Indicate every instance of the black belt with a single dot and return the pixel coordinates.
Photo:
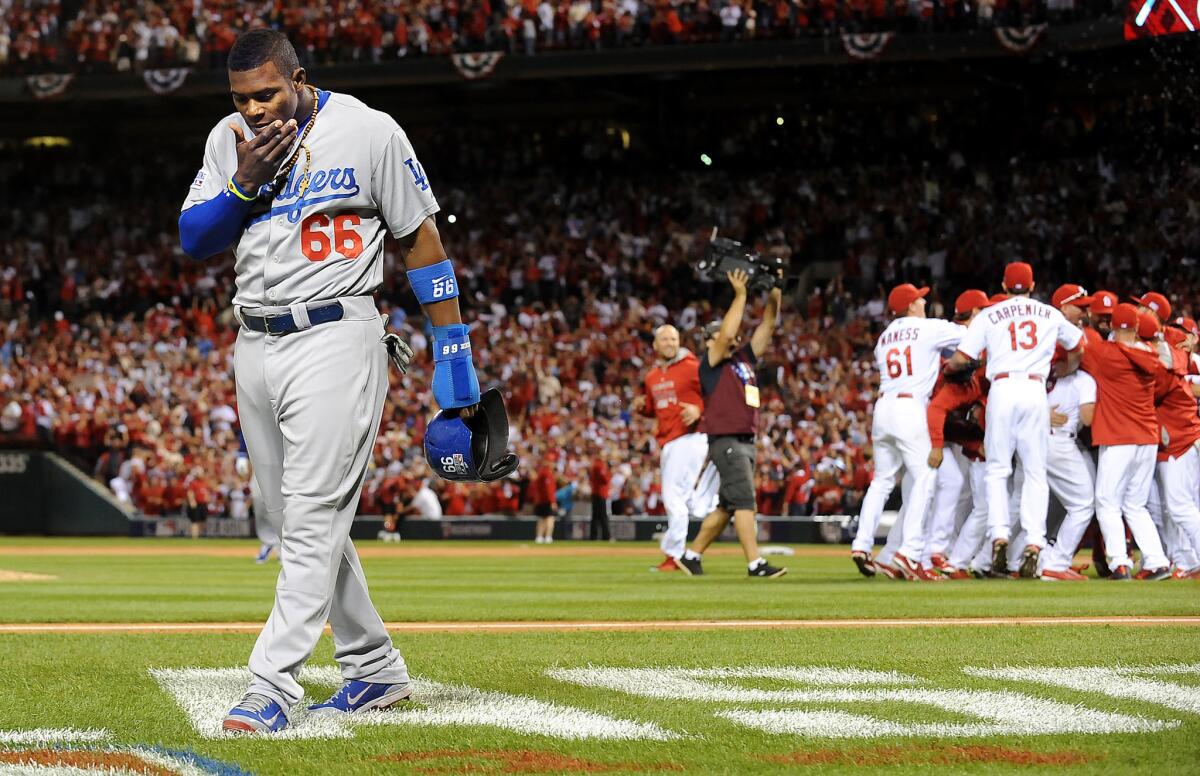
(285, 323)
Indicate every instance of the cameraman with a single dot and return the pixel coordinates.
(731, 403)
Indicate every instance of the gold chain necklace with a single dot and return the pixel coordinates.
(286, 170)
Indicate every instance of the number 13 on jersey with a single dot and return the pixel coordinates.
(1028, 337)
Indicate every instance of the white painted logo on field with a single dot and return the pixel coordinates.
(1126, 682)
(206, 694)
(52, 736)
(992, 713)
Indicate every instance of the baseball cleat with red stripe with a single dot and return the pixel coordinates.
(668, 564)
(1153, 575)
(959, 574)
(889, 571)
(1070, 575)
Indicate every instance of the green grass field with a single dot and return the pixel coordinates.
(1087, 699)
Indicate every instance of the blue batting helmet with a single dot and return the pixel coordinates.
(473, 449)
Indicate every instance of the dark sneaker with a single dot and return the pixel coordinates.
(691, 566)
(1120, 574)
(765, 569)
(1029, 561)
(999, 557)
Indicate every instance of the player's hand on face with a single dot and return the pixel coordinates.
(690, 414)
(1057, 418)
(935, 458)
(738, 279)
(260, 156)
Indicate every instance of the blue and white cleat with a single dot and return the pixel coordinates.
(264, 553)
(364, 696)
(255, 714)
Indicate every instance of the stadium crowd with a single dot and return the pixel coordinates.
(118, 348)
(103, 36)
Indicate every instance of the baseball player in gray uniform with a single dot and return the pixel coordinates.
(304, 185)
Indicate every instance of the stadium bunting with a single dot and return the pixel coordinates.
(474, 66)
(48, 85)
(1020, 39)
(166, 80)
(868, 45)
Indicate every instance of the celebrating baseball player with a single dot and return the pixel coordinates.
(1125, 428)
(672, 397)
(1019, 335)
(1070, 473)
(304, 184)
(908, 355)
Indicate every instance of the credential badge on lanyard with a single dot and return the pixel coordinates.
(746, 375)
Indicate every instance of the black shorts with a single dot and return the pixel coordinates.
(734, 457)
(543, 510)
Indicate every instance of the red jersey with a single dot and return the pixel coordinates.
(1125, 379)
(667, 388)
(1176, 408)
(601, 479)
(950, 397)
(541, 490)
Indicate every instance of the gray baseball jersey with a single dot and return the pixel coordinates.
(327, 242)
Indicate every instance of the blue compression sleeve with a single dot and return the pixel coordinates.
(208, 228)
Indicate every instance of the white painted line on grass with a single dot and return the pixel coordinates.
(1125, 682)
(1004, 713)
(206, 694)
(695, 684)
(608, 625)
(53, 736)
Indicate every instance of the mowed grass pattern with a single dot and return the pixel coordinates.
(103, 680)
(564, 581)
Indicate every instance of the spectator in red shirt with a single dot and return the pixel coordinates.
(601, 480)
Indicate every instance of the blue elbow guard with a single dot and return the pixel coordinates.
(435, 283)
(210, 227)
(455, 383)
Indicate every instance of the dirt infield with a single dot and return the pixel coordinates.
(610, 625)
(375, 550)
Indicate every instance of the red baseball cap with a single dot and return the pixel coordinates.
(1069, 293)
(1125, 316)
(1104, 303)
(1147, 325)
(970, 299)
(997, 299)
(1018, 276)
(903, 295)
(1188, 325)
(1157, 303)
(1173, 336)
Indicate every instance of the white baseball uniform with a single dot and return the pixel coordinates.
(689, 488)
(949, 490)
(908, 356)
(310, 402)
(1019, 335)
(1069, 470)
